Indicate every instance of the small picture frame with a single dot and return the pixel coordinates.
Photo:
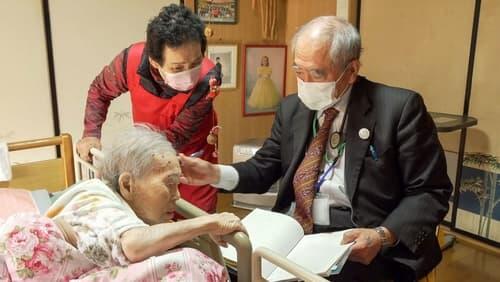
(264, 78)
(217, 11)
(225, 58)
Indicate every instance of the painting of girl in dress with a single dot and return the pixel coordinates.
(264, 94)
(264, 79)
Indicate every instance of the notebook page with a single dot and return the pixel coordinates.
(276, 231)
(317, 253)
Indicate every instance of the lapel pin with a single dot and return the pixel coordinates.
(364, 133)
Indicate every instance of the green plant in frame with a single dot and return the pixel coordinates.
(483, 188)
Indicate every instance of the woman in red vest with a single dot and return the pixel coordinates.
(169, 83)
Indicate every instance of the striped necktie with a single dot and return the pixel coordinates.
(308, 171)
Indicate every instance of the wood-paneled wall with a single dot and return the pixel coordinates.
(235, 127)
(298, 12)
(291, 15)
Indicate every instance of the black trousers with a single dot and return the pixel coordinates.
(380, 269)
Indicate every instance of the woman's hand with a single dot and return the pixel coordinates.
(85, 144)
(222, 224)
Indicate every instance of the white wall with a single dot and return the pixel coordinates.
(25, 107)
(88, 34)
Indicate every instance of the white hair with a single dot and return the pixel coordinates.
(343, 38)
(132, 151)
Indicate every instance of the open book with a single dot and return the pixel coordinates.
(319, 253)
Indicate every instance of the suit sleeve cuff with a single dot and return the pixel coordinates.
(229, 178)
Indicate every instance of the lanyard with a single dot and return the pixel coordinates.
(321, 180)
(330, 168)
(315, 123)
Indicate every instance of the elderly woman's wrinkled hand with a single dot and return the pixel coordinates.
(224, 223)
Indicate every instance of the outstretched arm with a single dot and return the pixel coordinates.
(109, 84)
(143, 242)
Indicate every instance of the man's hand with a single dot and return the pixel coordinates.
(367, 244)
(198, 172)
(85, 144)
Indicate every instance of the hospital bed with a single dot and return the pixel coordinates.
(45, 180)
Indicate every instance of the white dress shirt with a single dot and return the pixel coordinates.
(334, 184)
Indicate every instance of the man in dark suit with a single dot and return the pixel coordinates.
(369, 149)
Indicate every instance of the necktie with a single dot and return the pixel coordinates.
(307, 174)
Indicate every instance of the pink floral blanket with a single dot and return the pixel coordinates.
(33, 249)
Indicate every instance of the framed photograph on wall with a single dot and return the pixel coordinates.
(217, 11)
(225, 57)
(264, 78)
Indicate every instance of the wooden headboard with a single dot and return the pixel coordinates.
(52, 175)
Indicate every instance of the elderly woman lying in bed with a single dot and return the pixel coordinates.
(118, 228)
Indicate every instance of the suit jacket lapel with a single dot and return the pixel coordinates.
(360, 116)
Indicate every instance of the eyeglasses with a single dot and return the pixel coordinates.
(315, 74)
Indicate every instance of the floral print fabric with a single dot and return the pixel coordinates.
(32, 248)
(98, 216)
(183, 264)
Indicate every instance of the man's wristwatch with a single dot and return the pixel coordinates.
(383, 237)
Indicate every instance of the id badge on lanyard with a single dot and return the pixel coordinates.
(321, 203)
(321, 209)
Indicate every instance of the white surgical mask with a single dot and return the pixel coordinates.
(182, 81)
(318, 96)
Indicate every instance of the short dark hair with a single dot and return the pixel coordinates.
(174, 26)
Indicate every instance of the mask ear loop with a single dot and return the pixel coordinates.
(314, 125)
(340, 78)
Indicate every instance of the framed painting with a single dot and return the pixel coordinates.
(264, 78)
(225, 57)
(217, 11)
